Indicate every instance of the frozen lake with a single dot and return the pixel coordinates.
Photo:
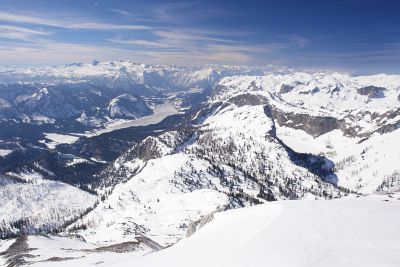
(160, 112)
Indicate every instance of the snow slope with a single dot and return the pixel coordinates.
(344, 232)
(32, 204)
(328, 114)
(359, 166)
(251, 143)
(165, 184)
(347, 232)
(152, 205)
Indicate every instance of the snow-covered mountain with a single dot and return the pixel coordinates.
(124, 74)
(251, 143)
(333, 116)
(237, 137)
(88, 96)
(127, 106)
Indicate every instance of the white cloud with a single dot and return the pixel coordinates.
(20, 33)
(162, 44)
(21, 18)
(120, 11)
(49, 53)
(105, 26)
(142, 43)
(299, 40)
(23, 30)
(67, 23)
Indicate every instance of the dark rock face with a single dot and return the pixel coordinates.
(110, 176)
(315, 90)
(218, 89)
(398, 97)
(319, 125)
(385, 127)
(316, 164)
(148, 149)
(312, 92)
(372, 91)
(335, 90)
(254, 87)
(248, 100)
(313, 125)
(286, 88)
(316, 125)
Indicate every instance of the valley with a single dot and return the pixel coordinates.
(144, 156)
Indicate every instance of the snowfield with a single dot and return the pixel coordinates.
(5, 152)
(151, 204)
(344, 232)
(294, 233)
(44, 204)
(56, 139)
(361, 166)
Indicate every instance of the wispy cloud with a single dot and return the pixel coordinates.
(196, 47)
(119, 11)
(299, 40)
(48, 52)
(142, 43)
(105, 26)
(20, 33)
(156, 39)
(23, 18)
(66, 23)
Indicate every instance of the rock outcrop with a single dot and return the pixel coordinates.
(286, 88)
(372, 91)
(248, 100)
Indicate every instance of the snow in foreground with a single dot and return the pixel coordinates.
(346, 232)
(295, 233)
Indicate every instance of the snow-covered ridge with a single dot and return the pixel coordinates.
(252, 142)
(353, 121)
(125, 72)
(335, 94)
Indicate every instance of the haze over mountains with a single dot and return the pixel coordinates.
(126, 157)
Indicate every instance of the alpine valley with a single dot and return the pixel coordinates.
(124, 164)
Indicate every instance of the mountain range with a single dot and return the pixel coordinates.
(135, 157)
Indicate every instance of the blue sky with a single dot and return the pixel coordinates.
(351, 35)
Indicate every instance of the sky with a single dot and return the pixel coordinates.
(350, 35)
